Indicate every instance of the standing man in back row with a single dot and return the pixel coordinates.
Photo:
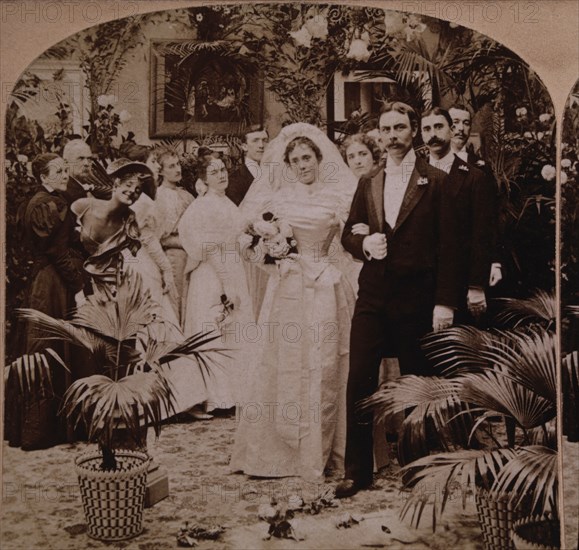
(461, 128)
(474, 198)
(254, 141)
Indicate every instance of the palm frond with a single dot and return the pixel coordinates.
(531, 475)
(541, 306)
(32, 373)
(443, 475)
(500, 395)
(532, 362)
(60, 329)
(461, 348)
(122, 318)
(428, 402)
(105, 405)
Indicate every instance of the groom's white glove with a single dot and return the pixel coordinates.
(442, 317)
(375, 246)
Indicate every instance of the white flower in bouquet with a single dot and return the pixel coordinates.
(540, 135)
(563, 177)
(545, 117)
(278, 247)
(565, 163)
(302, 37)
(264, 229)
(548, 172)
(521, 111)
(22, 158)
(528, 135)
(124, 116)
(317, 26)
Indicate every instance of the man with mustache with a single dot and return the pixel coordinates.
(475, 200)
(254, 142)
(409, 283)
(461, 129)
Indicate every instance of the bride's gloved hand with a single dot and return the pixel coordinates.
(360, 229)
(287, 265)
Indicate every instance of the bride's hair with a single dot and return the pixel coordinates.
(301, 140)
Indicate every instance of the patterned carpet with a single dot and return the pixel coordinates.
(41, 505)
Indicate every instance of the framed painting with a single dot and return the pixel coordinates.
(200, 88)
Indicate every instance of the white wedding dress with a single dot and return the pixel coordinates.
(293, 419)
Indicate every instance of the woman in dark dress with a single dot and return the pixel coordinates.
(32, 423)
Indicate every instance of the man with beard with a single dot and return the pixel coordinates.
(78, 157)
(254, 142)
(461, 129)
(475, 201)
(409, 282)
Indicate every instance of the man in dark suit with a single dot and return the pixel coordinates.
(461, 128)
(474, 197)
(254, 142)
(409, 282)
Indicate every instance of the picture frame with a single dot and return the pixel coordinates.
(198, 90)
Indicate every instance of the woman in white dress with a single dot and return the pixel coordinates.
(215, 275)
(293, 419)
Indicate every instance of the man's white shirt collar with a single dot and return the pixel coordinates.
(48, 188)
(445, 163)
(462, 154)
(405, 167)
(252, 166)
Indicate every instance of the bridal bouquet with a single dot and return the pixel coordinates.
(275, 235)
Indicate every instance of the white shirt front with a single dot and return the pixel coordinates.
(395, 185)
(445, 163)
(253, 167)
(463, 154)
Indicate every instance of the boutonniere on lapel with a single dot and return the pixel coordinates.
(463, 167)
(480, 162)
(422, 181)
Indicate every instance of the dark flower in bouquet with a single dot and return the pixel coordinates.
(276, 237)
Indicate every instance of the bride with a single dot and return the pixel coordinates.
(292, 420)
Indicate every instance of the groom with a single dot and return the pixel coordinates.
(409, 284)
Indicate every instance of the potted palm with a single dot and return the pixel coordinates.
(493, 416)
(134, 392)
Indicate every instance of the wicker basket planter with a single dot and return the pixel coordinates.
(537, 533)
(496, 517)
(113, 501)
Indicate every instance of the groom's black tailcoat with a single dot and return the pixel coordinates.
(397, 295)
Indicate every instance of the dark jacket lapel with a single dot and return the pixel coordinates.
(376, 202)
(413, 192)
(457, 176)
